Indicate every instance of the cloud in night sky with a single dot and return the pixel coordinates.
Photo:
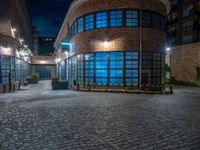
(48, 15)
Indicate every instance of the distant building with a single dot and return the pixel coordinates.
(35, 41)
(183, 28)
(16, 41)
(46, 47)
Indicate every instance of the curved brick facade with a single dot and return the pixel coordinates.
(106, 47)
(87, 6)
(124, 39)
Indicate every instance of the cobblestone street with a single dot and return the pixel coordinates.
(38, 118)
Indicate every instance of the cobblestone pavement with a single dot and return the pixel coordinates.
(38, 118)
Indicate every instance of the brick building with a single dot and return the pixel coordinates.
(46, 47)
(183, 27)
(103, 42)
(15, 40)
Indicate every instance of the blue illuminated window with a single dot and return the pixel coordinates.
(80, 68)
(101, 81)
(132, 73)
(74, 29)
(116, 73)
(132, 65)
(89, 22)
(116, 81)
(116, 18)
(131, 18)
(102, 73)
(116, 68)
(89, 57)
(89, 64)
(132, 81)
(101, 56)
(116, 56)
(101, 20)
(101, 64)
(116, 60)
(116, 64)
(132, 55)
(101, 68)
(80, 25)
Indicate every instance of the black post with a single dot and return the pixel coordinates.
(161, 89)
(78, 86)
(4, 88)
(146, 89)
(10, 82)
(19, 86)
(89, 87)
(171, 89)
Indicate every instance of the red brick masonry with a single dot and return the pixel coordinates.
(185, 59)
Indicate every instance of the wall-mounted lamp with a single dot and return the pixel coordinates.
(57, 60)
(105, 44)
(168, 49)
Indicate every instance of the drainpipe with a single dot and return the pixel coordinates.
(141, 41)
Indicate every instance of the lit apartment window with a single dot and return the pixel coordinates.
(187, 10)
(174, 2)
(187, 39)
(116, 18)
(172, 41)
(172, 28)
(187, 25)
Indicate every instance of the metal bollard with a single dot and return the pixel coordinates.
(4, 88)
(78, 87)
(89, 87)
(126, 89)
(161, 89)
(14, 86)
(146, 89)
(171, 89)
(19, 85)
(106, 88)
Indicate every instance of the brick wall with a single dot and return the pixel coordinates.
(123, 39)
(43, 60)
(5, 17)
(21, 20)
(185, 59)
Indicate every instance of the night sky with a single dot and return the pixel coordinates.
(48, 15)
